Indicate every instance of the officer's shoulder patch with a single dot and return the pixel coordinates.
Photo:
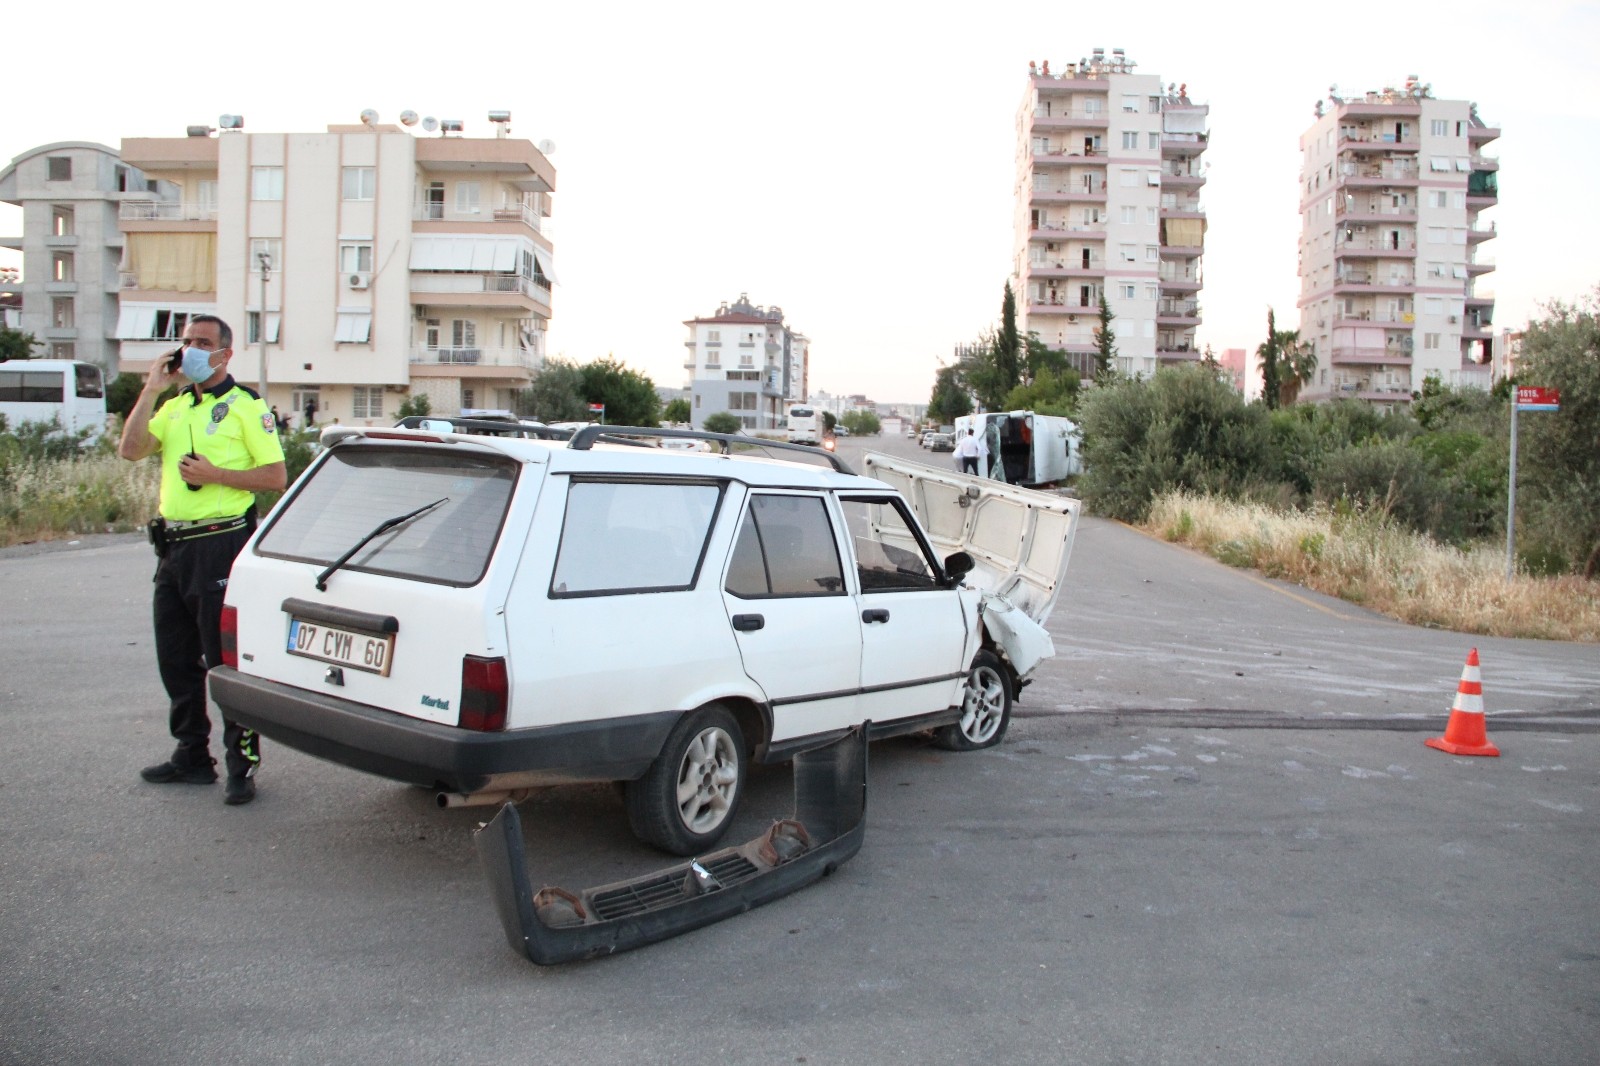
(268, 424)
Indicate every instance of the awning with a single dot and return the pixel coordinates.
(547, 264)
(354, 327)
(1184, 232)
(480, 255)
(136, 323)
(177, 262)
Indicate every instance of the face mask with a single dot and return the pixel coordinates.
(196, 364)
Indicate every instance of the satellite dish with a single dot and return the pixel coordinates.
(430, 123)
(369, 116)
(547, 146)
(408, 118)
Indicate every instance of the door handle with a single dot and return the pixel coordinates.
(748, 623)
(876, 614)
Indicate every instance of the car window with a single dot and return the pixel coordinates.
(889, 555)
(357, 489)
(785, 548)
(633, 536)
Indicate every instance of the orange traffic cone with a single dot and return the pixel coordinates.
(1465, 734)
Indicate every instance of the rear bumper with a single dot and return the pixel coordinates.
(439, 756)
(554, 925)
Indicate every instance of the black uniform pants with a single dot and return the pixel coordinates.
(190, 584)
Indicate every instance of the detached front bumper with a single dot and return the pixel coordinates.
(554, 925)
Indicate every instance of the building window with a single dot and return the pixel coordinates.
(1152, 105)
(367, 401)
(60, 266)
(1130, 103)
(61, 221)
(60, 168)
(1155, 141)
(469, 399)
(63, 350)
(1127, 253)
(1127, 179)
(1130, 139)
(1430, 341)
(1130, 214)
(360, 183)
(61, 316)
(713, 336)
(1439, 127)
(463, 333)
(1126, 291)
(355, 258)
(266, 183)
(467, 197)
(1152, 253)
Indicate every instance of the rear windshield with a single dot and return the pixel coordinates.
(358, 489)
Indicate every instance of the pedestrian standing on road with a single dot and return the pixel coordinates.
(219, 447)
(967, 451)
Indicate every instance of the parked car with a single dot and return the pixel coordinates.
(481, 614)
(942, 442)
(927, 437)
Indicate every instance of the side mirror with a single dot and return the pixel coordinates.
(957, 565)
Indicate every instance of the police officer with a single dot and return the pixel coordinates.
(219, 447)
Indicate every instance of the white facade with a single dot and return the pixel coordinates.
(394, 264)
(1392, 188)
(1108, 203)
(744, 360)
(70, 244)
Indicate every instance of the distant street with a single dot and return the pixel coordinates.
(1213, 834)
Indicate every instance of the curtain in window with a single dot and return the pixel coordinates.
(173, 262)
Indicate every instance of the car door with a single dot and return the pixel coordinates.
(792, 613)
(914, 627)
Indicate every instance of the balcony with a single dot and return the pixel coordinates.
(1060, 195)
(1372, 210)
(1177, 313)
(1478, 133)
(1053, 231)
(1056, 303)
(1478, 234)
(1072, 118)
(1183, 144)
(1358, 281)
(1397, 318)
(1375, 248)
(1179, 353)
(1369, 355)
(1175, 278)
(165, 211)
(519, 358)
(1480, 265)
(481, 290)
(1366, 176)
(1067, 268)
(510, 211)
(1363, 141)
(1069, 157)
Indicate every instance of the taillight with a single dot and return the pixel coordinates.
(484, 694)
(230, 636)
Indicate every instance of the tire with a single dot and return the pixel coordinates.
(985, 707)
(687, 799)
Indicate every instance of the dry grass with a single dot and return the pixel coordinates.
(99, 493)
(1365, 560)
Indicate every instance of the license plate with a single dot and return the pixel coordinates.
(346, 647)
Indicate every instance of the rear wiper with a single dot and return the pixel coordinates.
(384, 527)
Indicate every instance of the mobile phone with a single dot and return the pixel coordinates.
(174, 360)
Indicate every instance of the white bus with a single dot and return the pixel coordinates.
(60, 390)
(805, 425)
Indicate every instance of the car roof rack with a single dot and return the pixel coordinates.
(585, 438)
(497, 427)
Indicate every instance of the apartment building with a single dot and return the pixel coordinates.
(364, 263)
(1393, 187)
(1109, 176)
(745, 360)
(70, 193)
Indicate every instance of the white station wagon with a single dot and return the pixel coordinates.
(482, 615)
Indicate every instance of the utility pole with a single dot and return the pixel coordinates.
(264, 261)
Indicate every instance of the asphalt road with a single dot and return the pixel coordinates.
(1213, 834)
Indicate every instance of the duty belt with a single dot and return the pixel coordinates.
(181, 531)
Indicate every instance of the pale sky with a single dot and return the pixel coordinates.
(852, 163)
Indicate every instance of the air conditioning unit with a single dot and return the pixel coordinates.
(1072, 318)
(1454, 319)
(359, 281)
